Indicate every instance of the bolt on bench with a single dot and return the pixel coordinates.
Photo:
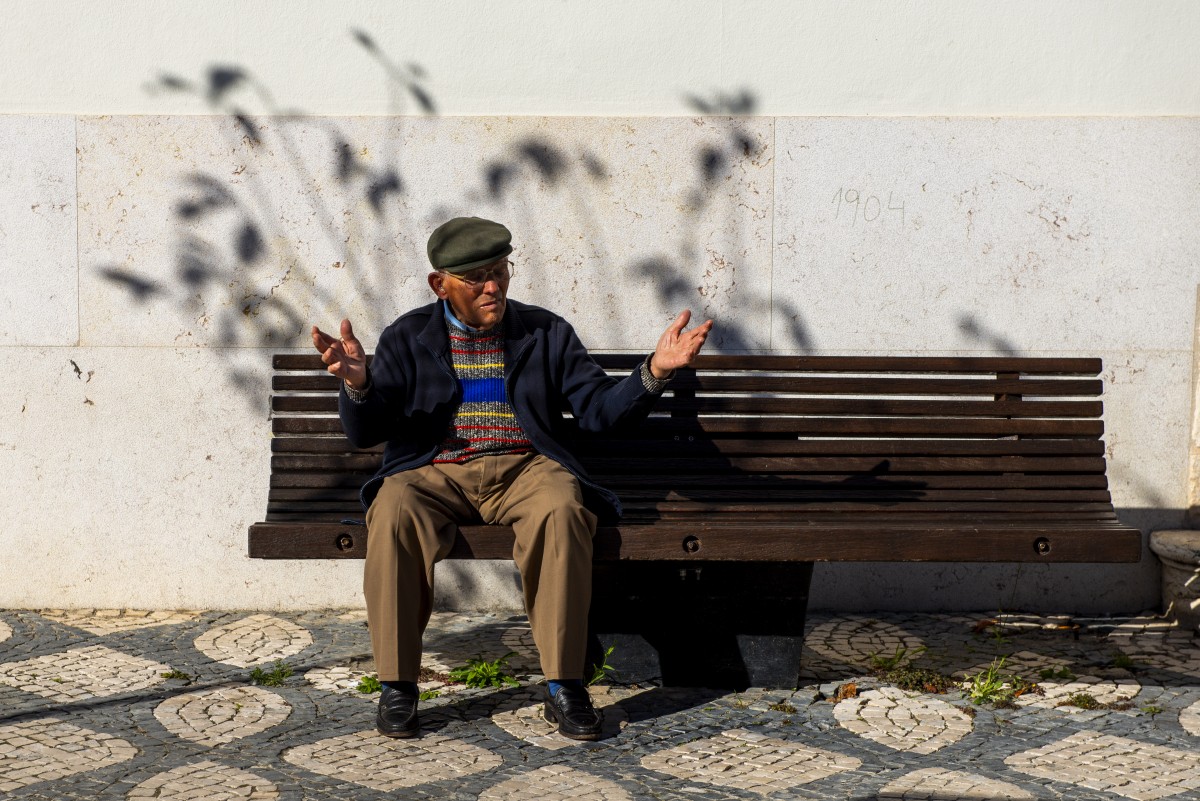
(752, 468)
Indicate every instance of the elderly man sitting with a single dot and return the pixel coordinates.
(467, 392)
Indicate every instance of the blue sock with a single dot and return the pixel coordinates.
(409, 687)
(557, 684)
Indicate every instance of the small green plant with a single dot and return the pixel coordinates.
(918, 680)
(601, 672)
(274, 677)
(177, 675)
(782, 706)
(480, 673)
(1152, 709)
(995, 687)
(369, 684)
(740, 704)
(1081, 700)
(1064, 673)
(428, 695)
(1123, 661)
(902, 656)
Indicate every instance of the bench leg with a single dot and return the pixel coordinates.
(700, 624)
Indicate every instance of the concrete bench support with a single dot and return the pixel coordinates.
(1179, 552)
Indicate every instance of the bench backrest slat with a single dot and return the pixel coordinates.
(893, 437)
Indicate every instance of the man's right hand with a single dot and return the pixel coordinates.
(344, 355)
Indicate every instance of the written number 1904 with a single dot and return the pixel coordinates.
(870, 207)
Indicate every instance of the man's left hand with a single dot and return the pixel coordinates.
(676, 347)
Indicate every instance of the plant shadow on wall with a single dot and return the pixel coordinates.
(243, 274)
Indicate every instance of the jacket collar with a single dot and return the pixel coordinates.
(516, 336)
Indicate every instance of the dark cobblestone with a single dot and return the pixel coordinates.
(779, 727)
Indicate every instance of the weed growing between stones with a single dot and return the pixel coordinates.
(275, 677)
(602, 672)
(1089, 701)
(481, 673)
(994, 687)
(177, 675)
(897, 669)
(369, 684)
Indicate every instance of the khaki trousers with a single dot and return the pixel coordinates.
(412, 523)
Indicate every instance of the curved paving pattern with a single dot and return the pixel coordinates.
(523, 718)
(204, 781)
(222, 715)
(107, 621)
(82, 673)
(1119, 765)
(1189, 719)
(555, 783)
(918, 723)
(385, 765)
(344, 678)
(63, 734)
(942, 784)
(519, 641)
(1105, 691)
(254, 640)
(1177, 652)
(854, 641)
(48, 749)
(749, 761)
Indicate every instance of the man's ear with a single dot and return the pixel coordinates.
(435, 283)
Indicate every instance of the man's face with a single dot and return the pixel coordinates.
(478, 298)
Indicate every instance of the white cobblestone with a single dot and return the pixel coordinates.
(906, 722)
(523, 717)
(1178, 652)
(254, 640)
(81, 673)
(107, 621)
(1087, 759)
(369, 760)
(204, 781)
(1189, 719)
(49, 749)
(519, 640)
(855, 640)
(222, 715)
(749, 761)
(555, 783)
(943, 784)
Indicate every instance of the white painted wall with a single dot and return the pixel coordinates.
(138, 341)
(616, 58)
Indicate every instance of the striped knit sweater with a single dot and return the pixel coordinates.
(484, 424)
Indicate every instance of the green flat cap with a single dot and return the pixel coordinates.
(464, 243)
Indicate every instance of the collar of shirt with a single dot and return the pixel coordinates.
(454, 321)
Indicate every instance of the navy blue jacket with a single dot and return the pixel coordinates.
(414, 394)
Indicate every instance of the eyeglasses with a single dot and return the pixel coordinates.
(477, 278)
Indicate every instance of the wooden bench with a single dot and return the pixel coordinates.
(753, 467)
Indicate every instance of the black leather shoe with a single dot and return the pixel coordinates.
(397, 715)
(572, 710)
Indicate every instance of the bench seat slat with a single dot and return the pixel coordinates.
(785, 541)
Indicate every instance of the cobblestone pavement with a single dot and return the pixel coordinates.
(118, 704)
